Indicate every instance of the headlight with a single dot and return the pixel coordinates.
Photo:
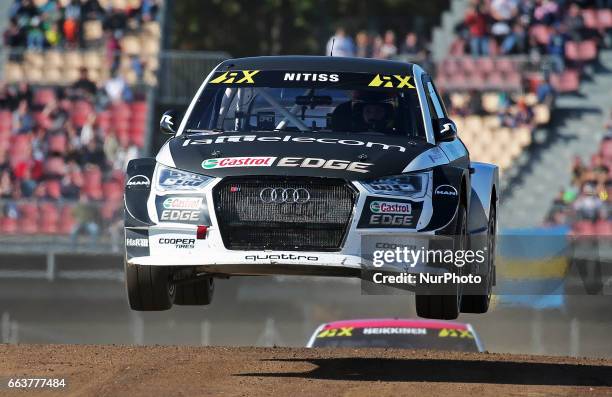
(406, 185)
(173, 179)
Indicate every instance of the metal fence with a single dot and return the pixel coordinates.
(182, 72)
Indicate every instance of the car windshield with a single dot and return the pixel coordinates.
(406, 338)
(326, 102)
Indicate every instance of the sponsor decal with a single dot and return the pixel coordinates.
(310, 162)
(336, 332)
(179, 243)
(394, 331)
(391, 220)
(276, 257)
(139, 181)
(311, 77)
(238, 77)
(182, 203)
(289, 138)
(230, 162)
(390, 213)
(394, 81)
(136, 242)
(390, 207)
(446, 190)
(179, 215)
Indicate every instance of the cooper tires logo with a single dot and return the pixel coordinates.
(280, 195)
(446, 190)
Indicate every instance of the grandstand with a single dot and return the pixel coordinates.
(74, 104)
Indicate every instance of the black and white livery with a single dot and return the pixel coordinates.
(286, 165)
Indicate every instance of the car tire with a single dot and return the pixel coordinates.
(479, 303)
(445, 307)
(195, 293)
(149, 288)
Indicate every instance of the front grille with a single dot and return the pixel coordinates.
(248, 223)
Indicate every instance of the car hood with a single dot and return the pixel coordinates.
(347, 156)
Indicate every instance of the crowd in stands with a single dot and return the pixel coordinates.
(50, 40)
(63, 153)
(71, 112)
(587, 204)
(368, 44)
(557, 36)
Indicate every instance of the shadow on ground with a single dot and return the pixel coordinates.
(462, 371)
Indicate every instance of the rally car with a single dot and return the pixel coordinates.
(397, 333)
(299, 165)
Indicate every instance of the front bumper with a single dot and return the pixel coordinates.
(176, 244)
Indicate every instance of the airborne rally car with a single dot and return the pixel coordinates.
(297, 165)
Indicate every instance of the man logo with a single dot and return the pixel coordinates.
(138, 181)
(446, 190)
(389, 82)
(230, 77)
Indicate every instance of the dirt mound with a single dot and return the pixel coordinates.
(183, 370)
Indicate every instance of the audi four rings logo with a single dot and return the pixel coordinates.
(281, 195)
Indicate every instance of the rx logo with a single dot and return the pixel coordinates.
(330, 333)
(243, 76)
(395, 81)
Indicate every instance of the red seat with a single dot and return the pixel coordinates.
(603, 228)
(572, 51)
(8, 225)
(588, 50)
(58, 143)
(457, 48)
(112, 190)
(541, 33)
(589, 16)
(606, 148)
(604, 18)
(67, 219)
(50, 219)
(583, 228)
(43, 96)
(568, 81)
(468, 65)
(28, 219)
(80, 113)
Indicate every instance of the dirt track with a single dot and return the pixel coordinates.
(190, 371)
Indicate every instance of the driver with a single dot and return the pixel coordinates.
(372, 111)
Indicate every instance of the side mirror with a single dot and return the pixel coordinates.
(169, 122)
(445, 130)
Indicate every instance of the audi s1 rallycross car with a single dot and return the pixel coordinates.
(299, 165)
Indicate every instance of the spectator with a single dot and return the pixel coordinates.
(388, 49)
(87, 220)
(364, 45)
(340, 45)
(589, 206)
(477, 23)
(116, 88)
(23, 122)
(6, 184)
(556, 48)
(410, 47)
(84, 87)
(13, 36)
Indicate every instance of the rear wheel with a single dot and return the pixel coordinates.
(149, 288)
(446, 306)
(195, 293)
(479, 303)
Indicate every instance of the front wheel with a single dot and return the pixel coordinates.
(479, 302)
(446, 306)
(149, 288)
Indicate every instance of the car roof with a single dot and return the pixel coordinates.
(396, 322)
(317, 64)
